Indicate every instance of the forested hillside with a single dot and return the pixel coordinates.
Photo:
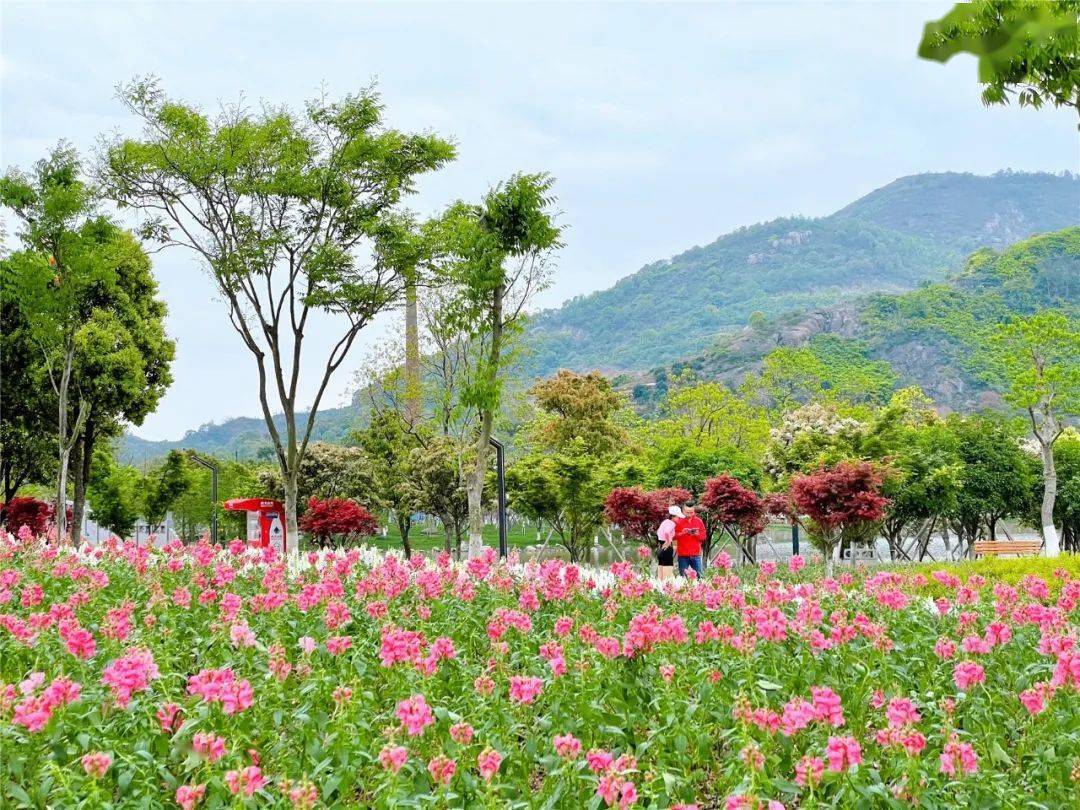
(916, 229)
(928, 336)
(242, 437)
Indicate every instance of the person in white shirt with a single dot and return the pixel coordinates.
(665, 552)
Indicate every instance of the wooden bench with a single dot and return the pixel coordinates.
(995, 548)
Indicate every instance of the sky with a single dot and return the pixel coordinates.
(665, 125)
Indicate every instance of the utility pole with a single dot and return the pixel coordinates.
(500, 469)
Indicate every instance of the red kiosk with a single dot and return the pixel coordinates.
(265, 520)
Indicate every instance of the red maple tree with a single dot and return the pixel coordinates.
(639, 512)
(840, 503)
(738, 510)
(31, 512)
(337, 517)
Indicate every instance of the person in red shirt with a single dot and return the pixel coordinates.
(689, 535)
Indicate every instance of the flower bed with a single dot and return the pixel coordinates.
(202, 677)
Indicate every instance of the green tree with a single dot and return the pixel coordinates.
(114, 493)
(164, 485)
(1037, 361)
(388, 441)
(328, 471)
(827, 368)
(574, 444)
(495, 256)
(29, 415)
(564, 488)
(53, 278)
(709, 415)
(434, 482)
(123, 355)
(1067, 504)
(996, 476)
(292, 214)
(923, 486)
(1029, 49)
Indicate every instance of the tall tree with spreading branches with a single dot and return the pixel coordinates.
(1037, 359)
(55, 282)
(496, 255)
(293, 214)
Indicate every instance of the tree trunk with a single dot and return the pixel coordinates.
(404, 523)
(475, 485)
(292, 530)
(83, 460)
(66, 439)
(476, 493)
(1046, 511)
(448, 535)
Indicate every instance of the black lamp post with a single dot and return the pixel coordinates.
(212, 467)
(500, 471)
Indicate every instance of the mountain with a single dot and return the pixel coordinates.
(927, 336)
(243, 437)
(785, 280)
(915, 229)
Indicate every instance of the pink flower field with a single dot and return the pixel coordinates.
(209, 677)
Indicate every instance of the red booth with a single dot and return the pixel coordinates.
(265, 520)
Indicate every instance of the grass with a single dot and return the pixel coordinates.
(422, 540)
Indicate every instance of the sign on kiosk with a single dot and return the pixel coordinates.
(265, 521)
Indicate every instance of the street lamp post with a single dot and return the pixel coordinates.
(500, 470)
(212, 467)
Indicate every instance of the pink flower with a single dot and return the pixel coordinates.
(335, 645)
(307, 645)
(78, 641)
(525, 688)
(188, 796)
(415, 715)
(567, 746)
(209, 746)
(599, 761)
(488, 761)
(302, 795)
(614, 789)
(796, 564)
(341, 695)
(96, 763)
(827, 706)
(442, 770)
(222, 685)
(461, 733)
(563, 626)
(958, 754)
(967, 674)
(901, 712)
(798, 714)
(484, 685)
(33, 714)
(169, 717)
(392, 757)
(247, 780)
(809, 770)
(129, 674)
(1034, 700)
(843, 753)
(945, 648)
